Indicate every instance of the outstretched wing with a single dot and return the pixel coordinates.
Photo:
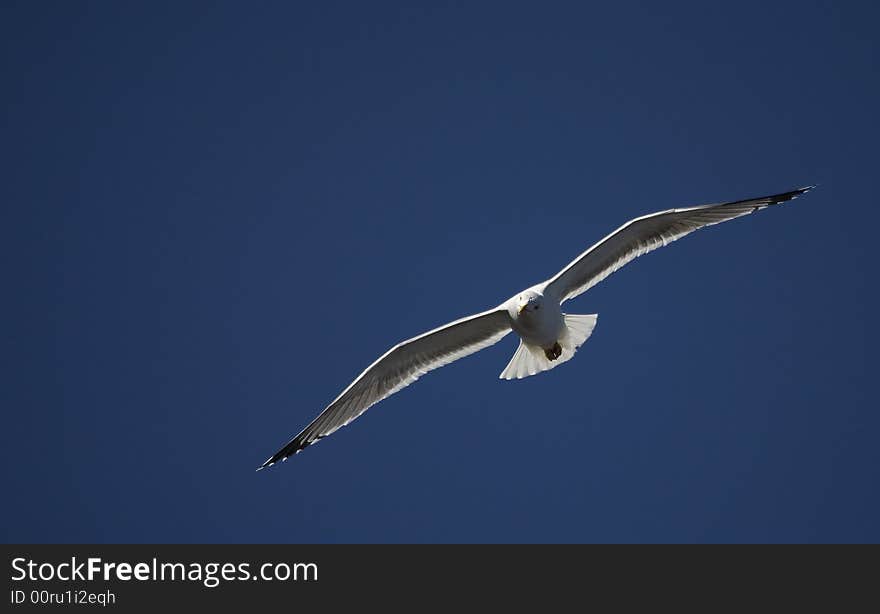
(645, 234)
(399, 367)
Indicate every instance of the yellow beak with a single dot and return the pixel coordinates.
(521, 309)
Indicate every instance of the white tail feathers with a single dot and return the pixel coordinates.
(531, 359)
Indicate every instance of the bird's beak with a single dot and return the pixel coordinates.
(521, 309)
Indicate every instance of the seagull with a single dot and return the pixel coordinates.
(548, 337)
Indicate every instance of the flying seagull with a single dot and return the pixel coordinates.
(548, 337)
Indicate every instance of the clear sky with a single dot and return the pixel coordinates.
(214, 212)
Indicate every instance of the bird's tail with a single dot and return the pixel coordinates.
(531, 359)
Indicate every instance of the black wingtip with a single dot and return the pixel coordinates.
(776, 199)
(294, 447)
(276, 458)
(269, 462)
(781, 198)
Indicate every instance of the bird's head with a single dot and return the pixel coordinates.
(528, 303)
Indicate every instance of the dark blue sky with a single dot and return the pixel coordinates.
(204, 203)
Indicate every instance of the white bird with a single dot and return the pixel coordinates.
(548, 337)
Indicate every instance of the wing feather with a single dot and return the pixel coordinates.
(399, 367)
(645, 234)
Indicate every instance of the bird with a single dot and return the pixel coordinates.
(548, 337)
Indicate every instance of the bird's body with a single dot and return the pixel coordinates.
(548, 337)
(537, 321)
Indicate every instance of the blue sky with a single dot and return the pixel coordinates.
(213, 210)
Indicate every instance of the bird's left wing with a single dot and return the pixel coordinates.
(645, 234)
(399, 367)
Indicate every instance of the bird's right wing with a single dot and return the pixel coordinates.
(399, 367)
(645, 234)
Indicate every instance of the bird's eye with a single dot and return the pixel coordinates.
(537, 307)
